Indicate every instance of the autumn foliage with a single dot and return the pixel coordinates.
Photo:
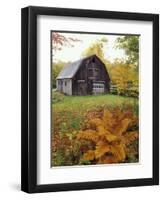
(59, 40)
(108, 136)
(112, 135)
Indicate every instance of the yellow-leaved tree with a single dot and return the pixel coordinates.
(125, 78)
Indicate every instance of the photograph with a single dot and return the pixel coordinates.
(94, 98)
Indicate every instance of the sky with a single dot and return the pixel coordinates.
(74, 53)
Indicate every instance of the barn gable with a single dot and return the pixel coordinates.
(70, 69)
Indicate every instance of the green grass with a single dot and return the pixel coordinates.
(68, 111)
(84, 103)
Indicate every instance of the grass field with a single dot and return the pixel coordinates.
(70, 114)
(64, 103)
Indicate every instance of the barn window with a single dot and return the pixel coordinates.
(65, 83)
(98, 88)
(81, 81)
(93, 72)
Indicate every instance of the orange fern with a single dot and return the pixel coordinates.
(111, 136)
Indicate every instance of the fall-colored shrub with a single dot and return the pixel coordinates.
(112, 136)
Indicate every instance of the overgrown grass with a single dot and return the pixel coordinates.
(85, 103)
(68, 111)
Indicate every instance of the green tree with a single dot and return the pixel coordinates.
(131, 46)
(56, 68)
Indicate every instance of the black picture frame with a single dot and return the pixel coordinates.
(29, 99)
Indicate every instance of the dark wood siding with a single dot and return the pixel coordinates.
(92, 70)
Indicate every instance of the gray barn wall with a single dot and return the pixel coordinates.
(66, 86)
(67, 89)
(58, 86)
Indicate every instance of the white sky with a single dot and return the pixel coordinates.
(75, 53)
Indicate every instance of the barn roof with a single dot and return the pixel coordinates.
(70, 69)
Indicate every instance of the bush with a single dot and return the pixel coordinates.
(113, 137)
(57, 96)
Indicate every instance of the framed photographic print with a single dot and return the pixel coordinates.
(90, 99)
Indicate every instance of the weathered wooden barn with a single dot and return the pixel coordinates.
(84, 77)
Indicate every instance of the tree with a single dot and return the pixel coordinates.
(59, 40)
(56, 68)
(97, 48)
(125, 77)
(131, 46)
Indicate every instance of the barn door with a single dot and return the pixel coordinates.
(82, 89)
